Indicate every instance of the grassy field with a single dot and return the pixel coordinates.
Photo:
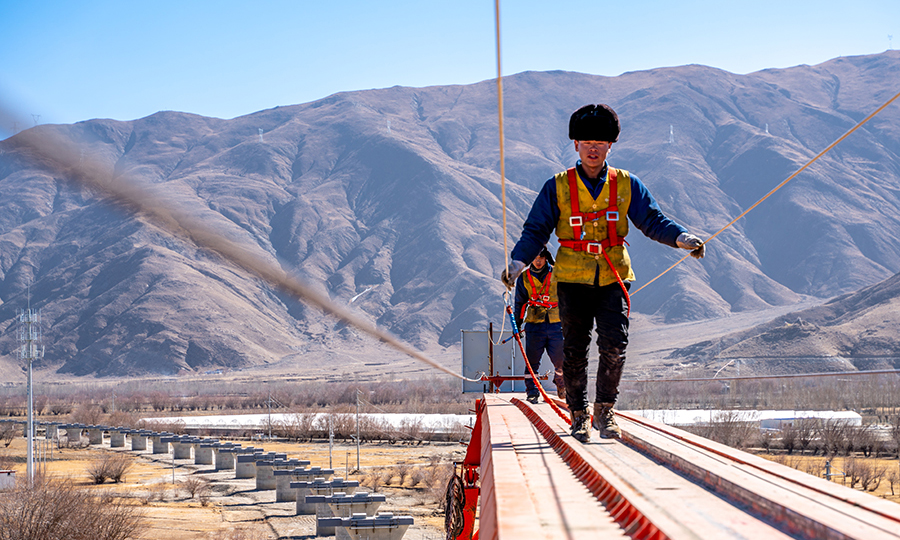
(234, 509)
(841, 470)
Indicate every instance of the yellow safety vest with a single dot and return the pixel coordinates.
(588, 227)
(542, 299)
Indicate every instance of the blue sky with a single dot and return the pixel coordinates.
(70, 61)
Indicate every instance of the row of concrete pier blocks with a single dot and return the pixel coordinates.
(340, 509)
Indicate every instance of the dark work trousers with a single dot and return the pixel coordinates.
(540, 337)
(580, 307)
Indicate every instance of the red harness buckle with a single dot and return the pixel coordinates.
(594, 248)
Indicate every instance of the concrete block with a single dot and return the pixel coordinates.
(203, 452)
(245, 467)
(383, 526)
(320, 486)
(116, 438)
(73, 434)
(265, 474)
(223, 455)
(138, 440)
(344, 506)
(95, 435)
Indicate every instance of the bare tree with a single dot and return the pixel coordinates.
(806, 432)
(832, 434)
(86, 413)
(112, 466)
(893, 477)
(8, 432)
(895, 433)
(866, 440)
(195, 485)
(789, 437)
(373, 480)
(51, 508)
(854, 470)
(60, 408)
(402, 471)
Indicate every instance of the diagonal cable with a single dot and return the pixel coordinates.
(779, 186)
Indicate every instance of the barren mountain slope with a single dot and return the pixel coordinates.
(395, 193)
(858, 330)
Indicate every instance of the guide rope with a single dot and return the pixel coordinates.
(500, 126)
(779, 186)
(534, 379)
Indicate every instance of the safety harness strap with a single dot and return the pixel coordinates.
(539, 298)
(611, 214)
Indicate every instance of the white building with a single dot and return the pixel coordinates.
(7, 480)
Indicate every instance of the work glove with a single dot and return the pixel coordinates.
(693, 243)
(515, 268)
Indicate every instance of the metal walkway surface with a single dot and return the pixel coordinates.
(657, 482)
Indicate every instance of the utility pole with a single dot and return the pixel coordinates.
(357, 429)
(30, 350)
(269, 405)
(330, 439)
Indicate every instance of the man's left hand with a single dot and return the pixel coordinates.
(511, 272)
(693, 243)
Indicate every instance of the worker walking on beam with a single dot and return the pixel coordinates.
(587, 206)
(536, 305)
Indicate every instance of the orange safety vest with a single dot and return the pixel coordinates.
(581, 244)
(541, 300)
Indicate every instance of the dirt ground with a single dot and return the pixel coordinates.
(235, 509)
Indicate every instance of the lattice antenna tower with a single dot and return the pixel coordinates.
(37, 119)
(31, 349)
(890, 42)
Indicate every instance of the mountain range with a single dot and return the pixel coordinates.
(390, 201)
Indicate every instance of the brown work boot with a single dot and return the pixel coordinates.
(605, 421)
(561, 392)
(581, 426)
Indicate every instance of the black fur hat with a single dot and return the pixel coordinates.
(545, 253)
(594, 123)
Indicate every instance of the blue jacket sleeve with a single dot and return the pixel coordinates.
(646, 215)
(521, 299)
(539, 225)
